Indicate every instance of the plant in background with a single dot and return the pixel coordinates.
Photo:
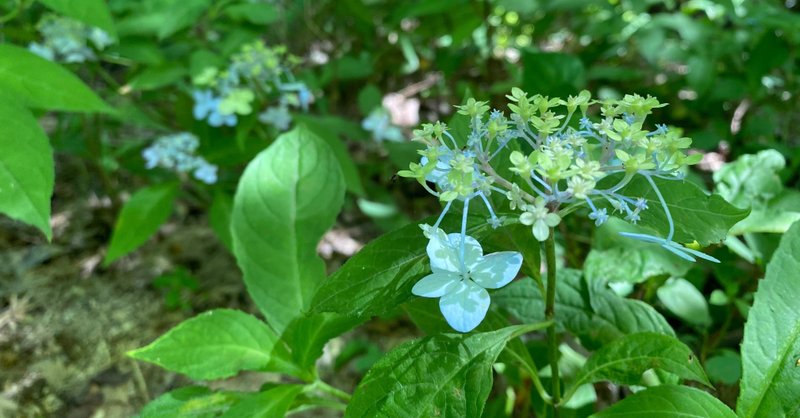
(379, 124)
(177, 153)
(68, 40)
(256, 75)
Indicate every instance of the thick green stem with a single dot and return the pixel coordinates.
(549, 313)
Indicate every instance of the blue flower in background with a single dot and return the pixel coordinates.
(304, 96)
(379, 124)
(461, 275)
(277, 116)
(206, 106)
(177, 153)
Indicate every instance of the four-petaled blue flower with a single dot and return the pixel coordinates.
(461, 275)
(206, 106)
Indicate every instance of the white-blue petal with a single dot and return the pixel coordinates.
(443, 256)
(496, 270)
(436, 285)
(472, 248)
(465, 307)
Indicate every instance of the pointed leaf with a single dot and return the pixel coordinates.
(668, 401)
(771, 347)
(212, 345)
(288, 196)
(26, 168)
(140, 218)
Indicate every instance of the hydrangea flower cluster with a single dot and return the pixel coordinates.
(557, 165)
(68, 40)
(177, 153)
(379, 124)
(256, 71)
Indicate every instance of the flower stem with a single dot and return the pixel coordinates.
(549, 314)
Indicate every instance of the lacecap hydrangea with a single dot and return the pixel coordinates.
(256, 75)
(559, 160)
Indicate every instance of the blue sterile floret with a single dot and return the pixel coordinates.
(177, 153)
(461, 273)
(206, 107)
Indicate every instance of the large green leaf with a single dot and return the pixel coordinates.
(379, 278)
(696, 215)
(595, 313)
(26, 168)
(212, 345)
(36, 82)
(624, 360)
(189, 402)
(287, 198)
(668, 401)
(92, 12)
(140, 218)
(351, 177)
(304, 340)
(268, 404)
(771, 347)
(446, 375)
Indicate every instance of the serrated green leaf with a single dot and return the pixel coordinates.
(268, 404)
(26, 168)
(668, 401)
(771, 347)
(446, 375)
(189, 402)
(140, 218)
(598, 314)
(697, 215)
(625, 360)
(91, 12)
(36, 82)
(287, 198)
(213, 345)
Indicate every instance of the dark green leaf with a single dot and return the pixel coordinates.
(379, 277)
(596, 313)
(288, 197)
(189, 402)
(272, 403)
(626, 359)
(26, 168)
(771, 346)
(443, 376)
(219, 217)
(212, 345)
(140, 218)
(697, 216)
